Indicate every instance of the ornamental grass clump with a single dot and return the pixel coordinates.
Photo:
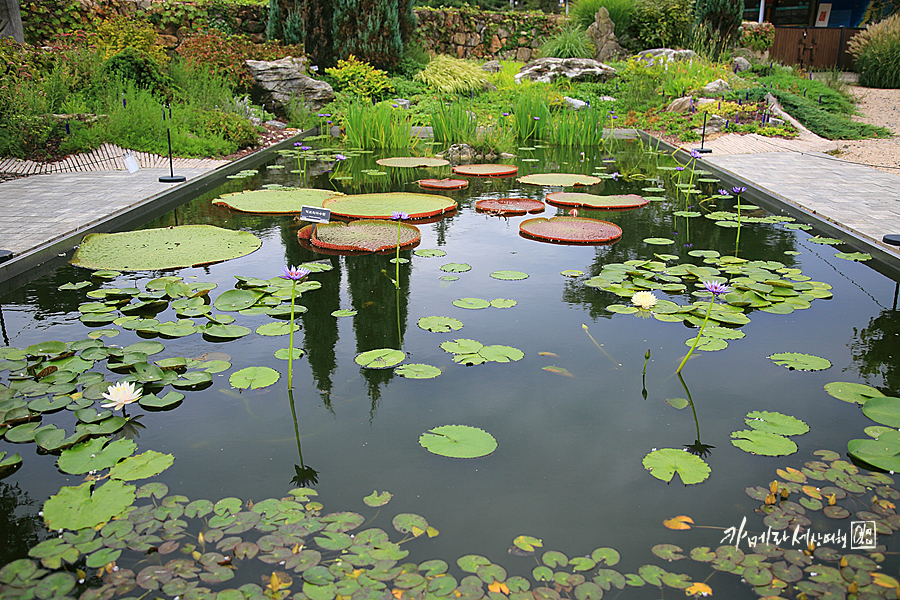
(452, 76)
(569, 42)
(877, 52)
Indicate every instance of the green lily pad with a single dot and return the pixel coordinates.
(883, 453)
(571, 273)
(439, 324)
(884, 410)
(764, 443)
(773, 422)
(277, 328)
(501, 354)
(593, 201)
(458, 441)
(456, 267)
(76, 507)
(94, 455)
(825, 240)
(412, 162)
(225, 332)
(559, 179)
(166, 248)
(417, 371)
(852, 392)
(142, 466)
(153, 401)
(509, 275)
(471, 303)
(344, 312)
(383, 358)
(49, 348)
(666, 462)
(855, 256)
(800, 362)
(658, 241)
(429, 252)
(503, 303)
(462, 346)
(253, 378)
(275, 202)
(375, 499)
(486, 170)
(235, 300)
(382, 206)
(282, 353)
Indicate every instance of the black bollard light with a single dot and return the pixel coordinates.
(701, 149)
(171, 177)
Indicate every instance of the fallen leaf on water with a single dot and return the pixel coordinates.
(553, 354)
(679, 522)
(558, 371)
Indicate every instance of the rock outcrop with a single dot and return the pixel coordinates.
(546, 70)
(286, 78)
(602, 34)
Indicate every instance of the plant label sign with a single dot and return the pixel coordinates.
(315, 214)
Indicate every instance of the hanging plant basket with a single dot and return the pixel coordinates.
(510, 206)
(570, 230)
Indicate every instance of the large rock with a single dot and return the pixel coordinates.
(546, 70)
(716, 88)
(665, 54)
(602, 34)
(681, 105)
(286, 78)
(740, 64)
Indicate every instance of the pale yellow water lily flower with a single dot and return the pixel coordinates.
(121, 394)
(644, 300)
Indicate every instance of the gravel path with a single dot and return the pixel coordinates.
(878, 107)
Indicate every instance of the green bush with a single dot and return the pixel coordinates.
(569, 42)
(661, 23)
(719, 19)
(224, 55)
(877, 52)
(228, 125)
(25, 136)
(114, 35)
(360, 78)
(138, 67)
(452, 76)
(584, 11)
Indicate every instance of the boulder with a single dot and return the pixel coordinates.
(602, 34)
(714, 124)
(492, 66)
(665, 54)
(401, 103)
(680, 105)
(574, 103)
(716, 88)
(740, 64)
(546, 70)
(460, 153)
(286, 78)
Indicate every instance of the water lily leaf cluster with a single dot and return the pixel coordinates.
(469, 352)
(382, 206)
(768, 433)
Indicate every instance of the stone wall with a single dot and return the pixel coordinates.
(471, 33)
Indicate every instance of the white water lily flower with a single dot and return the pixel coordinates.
(644, 300)
(121, 394)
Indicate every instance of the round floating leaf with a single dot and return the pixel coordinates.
(344, 312)
(592, 201)
(658, 241)
(443, 184)
(142, 466)
(439, 324)
(93, 456)
(275, 202)
(375, 499)
(383, 358)
(884, 410)
(382, 206)
(417, 371)
(559, 179)
(501, 354)
(429, 252)
(527, 543)
(509, 275)
(76, 508)
(665, 463)
(49, 348)
(883, 453)
(462, 346)
(458, 441)
(282, 353)
(800, 362)
(486, 170)
(503, 303)
(852, 392)
(226, 332)
(235, 300)
(412, 161)
(773, 422)
(456, 267)
(253, 378)
(856, 256)
(761, 442)
(368, 235)
(168, 401)
(510, 206)
(471, 303)
(277, 328)
(570, 230)
(166, 248)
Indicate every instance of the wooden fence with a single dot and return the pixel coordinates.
(813, 47)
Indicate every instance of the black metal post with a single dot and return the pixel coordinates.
(701, 149)
(171, 177)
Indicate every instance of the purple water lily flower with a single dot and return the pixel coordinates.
(616, 176)
(297, 144)
(723, 192)
(399, 215)
(305, 147)
(537, 118)
(293, 273)
(679, 168)
(505, 114)
(695, 154)
(716, 287)
(738, 190)
(340, 157)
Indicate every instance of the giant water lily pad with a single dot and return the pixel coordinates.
(412, 161)
(458, 441)
(593, 201)
(559, 179)
(76, 507)
(167, 248)
(443, 184)
(570, 230)
(367, 235)
(666, 462)
(383, 206)
(275, 202)
(800, 362)
(509, 206)
(486, 170)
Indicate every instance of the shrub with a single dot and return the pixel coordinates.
(877, 52)
(757, 36)
(25, 136)
(584, 12)
(374, 30)
(224, 55)
(661, 23)
(569, 42)
(273, 24)
(44, 20)
(360, 78)
(452, 76)
(138, 67)
(232, 127)
(114, 35)
(721, 19)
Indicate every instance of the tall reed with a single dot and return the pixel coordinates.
(578, 127)
(531, 115)
(380, 125)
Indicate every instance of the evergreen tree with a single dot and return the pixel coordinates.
(372, 30)
(273, 26)
(719, 17)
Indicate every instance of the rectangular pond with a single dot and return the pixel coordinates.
(576, 384)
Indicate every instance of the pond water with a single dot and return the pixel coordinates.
(571, 439)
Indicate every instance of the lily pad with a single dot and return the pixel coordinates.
(570, 230)
(855, 256)
(458, 441)
(884, 410)
(76, 507)
(226, 332)
(559, 179)
(800, 362)
(429, 252)
(443, 184)
(456, 267)
(165, 248)
(509, 206)
(417, 371)
(593, 201)
(486, 170)
(471, 303)
(852, 392)
(277, 328)
(658, 241)
(503, 303)
(439, 324)
(383, 358)
(275, 202)
(764, 443)
(94, 455)
(666, 462)
(412, 162)
(509, 275)
(253, 378)
(883, 453)
(773, 422)
(368, 235)
(383, 206)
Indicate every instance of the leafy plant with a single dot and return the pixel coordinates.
(877, 52)
(661, 23)
(377, 126)
(569, 42)
(719, 19)
(112, 36)
(139, 68)
(584, 11)
(360, 78)
(757, 36)
(452, 76)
